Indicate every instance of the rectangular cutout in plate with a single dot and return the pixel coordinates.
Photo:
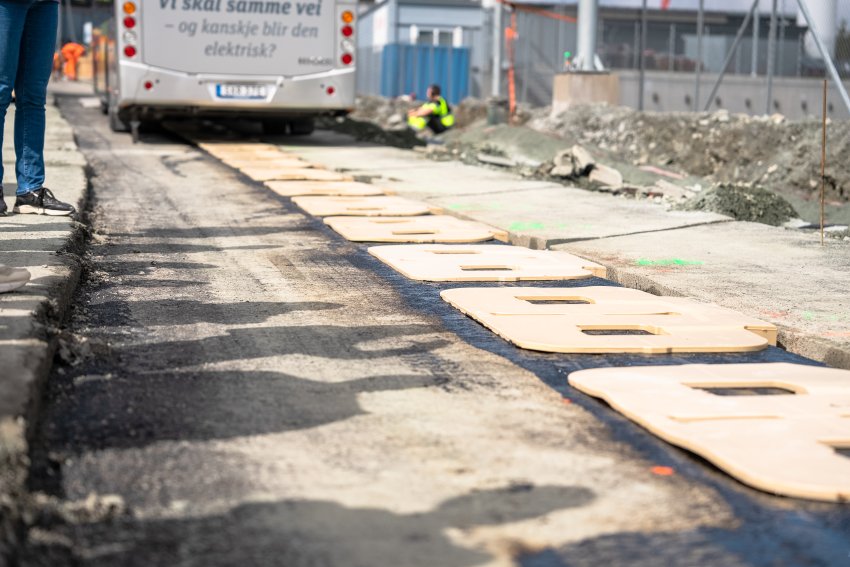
(842, 450)
(621, 332)
(747, 391)
(487, 268)
(557, 301)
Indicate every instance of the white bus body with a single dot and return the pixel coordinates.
(282, 61)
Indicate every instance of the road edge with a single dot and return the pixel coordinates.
(16, 428)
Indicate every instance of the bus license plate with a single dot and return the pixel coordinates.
(250, 92)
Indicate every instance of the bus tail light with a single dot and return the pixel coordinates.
(129, 36)
(347, 31)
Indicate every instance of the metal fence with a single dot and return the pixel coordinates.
(543, 45)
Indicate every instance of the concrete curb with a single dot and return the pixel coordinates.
(50, 247)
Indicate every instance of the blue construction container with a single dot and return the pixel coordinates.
(407, 69)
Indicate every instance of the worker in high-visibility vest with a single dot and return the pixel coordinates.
(71, 53)
(435, 114)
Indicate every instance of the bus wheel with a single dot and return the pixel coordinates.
(116, 124)
(274, 127)
(302, 127)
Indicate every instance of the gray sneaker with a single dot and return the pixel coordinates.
(42, 202)
(12, 278)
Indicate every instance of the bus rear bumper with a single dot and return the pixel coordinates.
(148, 93)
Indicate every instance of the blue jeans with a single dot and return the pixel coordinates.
(27, 42)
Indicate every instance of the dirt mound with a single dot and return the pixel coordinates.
(368, 131)
(755, 204)
(727, 148)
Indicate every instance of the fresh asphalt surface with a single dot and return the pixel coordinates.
(251, 389)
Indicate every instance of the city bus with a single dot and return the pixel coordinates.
(283, 62)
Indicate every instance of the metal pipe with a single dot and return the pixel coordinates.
(754, 65)
(588, 16)
(731, 54)
(498, 50)
(642, 81)
(833, 72)
(771, 57)
(671, 61)
(700, 30)
(823, 165)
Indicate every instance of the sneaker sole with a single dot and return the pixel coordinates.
(30, 210)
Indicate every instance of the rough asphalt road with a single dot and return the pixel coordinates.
(253, 390)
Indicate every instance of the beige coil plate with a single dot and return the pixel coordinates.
(433, 228)
(483, 263)
(574, 322)
(381, 206)
(320, 188)
(785, 444)
(223, 149)
(282, 161)
(293, 172)
(303, 173)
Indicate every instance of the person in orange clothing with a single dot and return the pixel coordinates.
(71, 53)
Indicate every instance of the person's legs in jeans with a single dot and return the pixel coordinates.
(13, 15)
(34, 66)
(35, 62)
(12, 18)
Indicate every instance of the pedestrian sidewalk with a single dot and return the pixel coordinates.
(778, 275)
(47, 247)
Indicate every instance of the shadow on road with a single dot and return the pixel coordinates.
(317, 533)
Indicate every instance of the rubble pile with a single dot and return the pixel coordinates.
(744, 203)
(722, 147)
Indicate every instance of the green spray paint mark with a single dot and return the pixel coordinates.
(668, 262)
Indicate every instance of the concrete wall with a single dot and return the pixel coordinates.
(796, 98)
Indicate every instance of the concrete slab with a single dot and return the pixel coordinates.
(541, 218)
(782, 276)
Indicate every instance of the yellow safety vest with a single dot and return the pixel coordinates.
(441, 110)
